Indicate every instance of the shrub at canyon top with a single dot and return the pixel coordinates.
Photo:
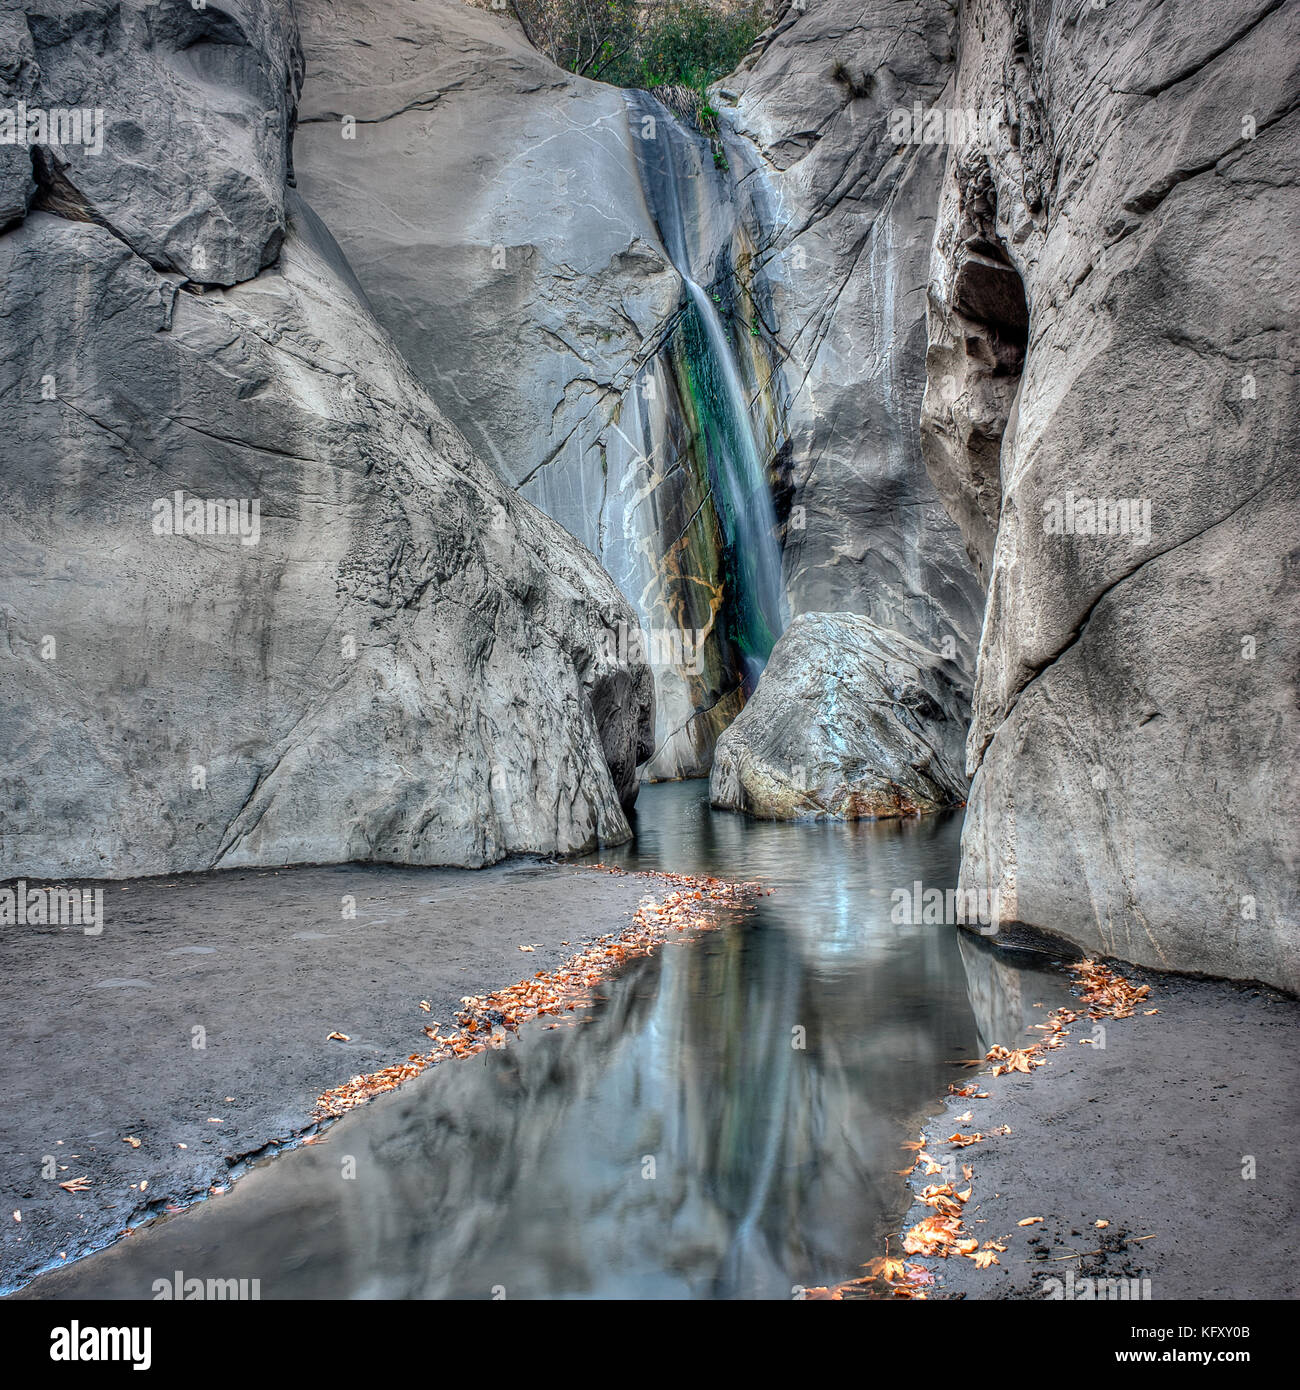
(632, 43)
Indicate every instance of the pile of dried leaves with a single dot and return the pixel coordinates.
(1107, 994)
(901, 1280)
(488, 1021)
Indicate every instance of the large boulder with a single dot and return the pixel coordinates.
(1121, 461)
(263, 604)
(187, 117)
(849, 722)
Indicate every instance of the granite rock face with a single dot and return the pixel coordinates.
(1120, 454)
(526, 236)
(494, 208)
(263, 604)
(849, 722)
(194, 111)
(841, 212)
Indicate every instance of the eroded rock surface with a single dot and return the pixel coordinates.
(841, 214)
(525, 235)
(398, 659)
(849, 722)
(1135, 717)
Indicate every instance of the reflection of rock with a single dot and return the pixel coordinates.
(848, 721)
(1135, 718)
(1003, 985)
(405, 661)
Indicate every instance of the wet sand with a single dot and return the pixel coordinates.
(1150, 1134)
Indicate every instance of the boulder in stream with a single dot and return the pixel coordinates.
(850, 721)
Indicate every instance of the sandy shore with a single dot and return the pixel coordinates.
(198, 1022)
(1136, 1155)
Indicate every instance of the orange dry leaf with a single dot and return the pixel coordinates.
(932, 1236)
(984, 1258)
(337, 1037)
(81, 1184)
(1101, 1225)
(960, 1141)
(1030, 1221)
(132, 1140)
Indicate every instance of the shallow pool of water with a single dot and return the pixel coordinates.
(726, 1124)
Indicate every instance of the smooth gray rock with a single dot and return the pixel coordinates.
(400, 660)
(841, 217)
(1135, 717)
(498, 212)
(492, 205)
(849, 722)
(197, 105)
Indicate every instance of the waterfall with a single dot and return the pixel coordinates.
(756, 609)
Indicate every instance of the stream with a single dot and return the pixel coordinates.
(726, 1123)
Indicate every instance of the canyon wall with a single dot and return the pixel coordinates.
(378, 650)
(535, 243)
(1122, 461)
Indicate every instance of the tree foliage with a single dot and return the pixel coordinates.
(642, 43)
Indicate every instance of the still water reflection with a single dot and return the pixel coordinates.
(726, 1125)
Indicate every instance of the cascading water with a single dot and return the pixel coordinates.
(756, 611)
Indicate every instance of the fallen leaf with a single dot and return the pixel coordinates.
(81, 1184)
(967, 1171)
(965, 1119)
(960, 1141)
(1031, 1221)
(984, 1258)
(132, 1140)
(338, 1037)
(1101, 1225)
(527, 948)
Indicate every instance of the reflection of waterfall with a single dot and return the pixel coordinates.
(726, 1123)
(673, 167)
